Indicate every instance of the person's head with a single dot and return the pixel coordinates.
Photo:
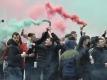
(93, 41)
(16, 37)
(48, 42)
(31, 37)
(106, 42)
(74, 35)
(101, 42)
(84, 42)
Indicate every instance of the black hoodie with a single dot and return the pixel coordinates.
(13, 57)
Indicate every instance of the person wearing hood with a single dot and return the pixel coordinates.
(71, 43)
(69, 65)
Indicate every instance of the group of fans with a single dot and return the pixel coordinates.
(52, 58)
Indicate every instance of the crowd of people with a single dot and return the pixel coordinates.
(54, 58)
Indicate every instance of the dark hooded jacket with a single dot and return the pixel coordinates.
(13, 57)
(69, 63)
(98, 70)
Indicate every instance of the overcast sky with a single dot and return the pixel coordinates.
(94, 12)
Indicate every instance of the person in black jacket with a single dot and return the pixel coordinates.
(32, 55)
(14, 58)
(48, 58)
(82, 48)
(98, 70)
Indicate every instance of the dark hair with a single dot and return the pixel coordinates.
(94, 41)
(82, 39)
(20, 40)
(55, 38)
(73, 32)
(30, 34)
(106, 39)
(15, 33)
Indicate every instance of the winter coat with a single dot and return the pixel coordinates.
(69, 63)
(13, 57)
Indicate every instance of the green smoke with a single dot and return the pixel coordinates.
(15, 26)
